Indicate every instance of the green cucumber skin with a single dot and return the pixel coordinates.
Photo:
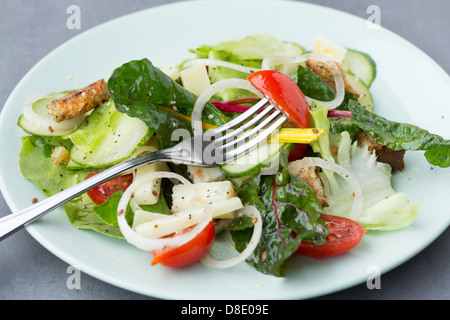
(229, 172)
(358, 85)
(82, 163)
(353, 61)
(30, 129)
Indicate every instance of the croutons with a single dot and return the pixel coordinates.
(384, 154)
(60, 156)
(78, 102)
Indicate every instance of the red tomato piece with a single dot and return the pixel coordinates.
(101, 193)
(188, 253)
(343, 235)
(284, 94)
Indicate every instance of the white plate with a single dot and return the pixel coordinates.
(402, 91)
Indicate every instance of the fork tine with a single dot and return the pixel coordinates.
(236, 121)
(244, 127)
(262, 135)
(250, 133)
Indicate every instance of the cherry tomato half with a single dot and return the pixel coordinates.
(284, 94)
(101, 193)
(188, 253)
(343, 235)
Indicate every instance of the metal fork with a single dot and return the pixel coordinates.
(223, 143)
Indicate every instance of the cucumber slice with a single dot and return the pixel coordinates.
(365, 97)
(35, 118)
(340, 124)
(100, 143)
(292, 49)
(32, 128)
(253, 160)
(361, 65)
(75, 166)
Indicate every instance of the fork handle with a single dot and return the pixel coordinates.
(15, 221)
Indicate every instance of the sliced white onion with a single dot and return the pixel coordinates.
(46, 121)
(357, 206)
(249, 211)
(148, 244)
(271, 62)
(205, 96)
(219, 63)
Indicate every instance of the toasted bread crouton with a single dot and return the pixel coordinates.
(311, 176)
(78, 102)
(384, 154)
(60, 156)
(324, 71)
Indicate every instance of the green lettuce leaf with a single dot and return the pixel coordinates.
(249, 52)
(253, 47)
(383, 207)
(36, 165)
(80, 212)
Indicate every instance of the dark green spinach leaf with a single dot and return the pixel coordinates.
(290, 212)
(139, 89)
(313, 86)
(402, 136)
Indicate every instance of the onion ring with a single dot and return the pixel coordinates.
(270, 62)
(357, 206)
(249, 211)
(148, 244)
(208, 93)
(219, 63)
(44, 122)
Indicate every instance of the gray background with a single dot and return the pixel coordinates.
(29, 30)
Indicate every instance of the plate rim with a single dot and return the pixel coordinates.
(66, 257)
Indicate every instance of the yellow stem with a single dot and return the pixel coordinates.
(286, 135)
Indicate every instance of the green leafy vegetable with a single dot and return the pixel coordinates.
(313, 86)
(253, 47)
(383, 207)
(249, 52)
(80, 212)
(439, 156)
(36, 165)
(402, 136)
(290, 213)
(107, 211)
(141, 90)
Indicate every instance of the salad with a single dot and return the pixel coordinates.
(315, 188)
